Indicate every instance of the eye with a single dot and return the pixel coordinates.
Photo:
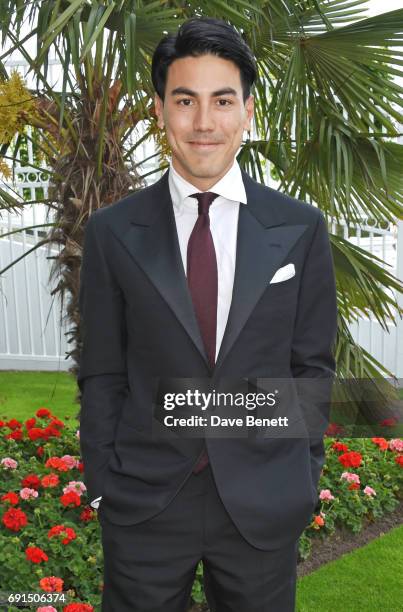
(224, 102)
(185, 101)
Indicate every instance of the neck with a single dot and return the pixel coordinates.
(201, 183)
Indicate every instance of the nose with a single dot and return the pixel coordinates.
(203, 120)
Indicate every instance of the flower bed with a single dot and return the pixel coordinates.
(360, 481)
(50, 538)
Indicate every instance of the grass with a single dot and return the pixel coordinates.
(23, 392)
(369, 578)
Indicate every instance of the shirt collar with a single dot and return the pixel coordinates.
(230, 186)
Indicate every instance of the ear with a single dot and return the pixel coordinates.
(159, 108)
(249, 107)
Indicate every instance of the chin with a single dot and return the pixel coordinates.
(208, 169)
(200, 173)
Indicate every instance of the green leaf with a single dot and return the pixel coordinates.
(100, 18)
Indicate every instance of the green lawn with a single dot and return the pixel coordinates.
(368, 579)
(22, 393)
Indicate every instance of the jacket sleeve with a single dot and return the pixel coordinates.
(102, 376)
(313, 339)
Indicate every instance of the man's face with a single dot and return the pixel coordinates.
(204, 116)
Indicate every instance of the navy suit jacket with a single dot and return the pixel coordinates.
(138, 324)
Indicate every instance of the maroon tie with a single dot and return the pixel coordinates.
(202, 279)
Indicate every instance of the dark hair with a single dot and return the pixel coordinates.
(202, 36)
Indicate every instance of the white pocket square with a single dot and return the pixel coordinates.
(283, 273)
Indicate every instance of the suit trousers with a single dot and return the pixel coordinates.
(150, 566)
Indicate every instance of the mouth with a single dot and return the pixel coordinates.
(204, 146)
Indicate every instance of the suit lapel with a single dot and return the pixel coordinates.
(264, 239)
(263, 242)
(152, 241)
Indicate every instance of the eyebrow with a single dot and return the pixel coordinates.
(225, 91)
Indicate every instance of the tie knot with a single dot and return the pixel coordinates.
(204, 198)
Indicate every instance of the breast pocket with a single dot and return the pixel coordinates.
(283, 289)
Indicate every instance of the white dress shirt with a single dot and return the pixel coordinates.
(223, 215)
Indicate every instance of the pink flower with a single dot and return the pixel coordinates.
(369, 491)
(396, 444)
(46, 609)
(9, 463)
(27, 493)
(76, 486)
(350, 477)
(325, 495)
(70, 461)
(78, 434)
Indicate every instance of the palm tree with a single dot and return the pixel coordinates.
(327, 119)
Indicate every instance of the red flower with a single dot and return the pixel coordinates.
(381, 442)
(43, 413)
(399, 460)
(87, 514)
(14, 424)
(30, 423)
(51, 431)
(392, 422)
(69, 533)
(14, 519)
(32, 481)
(334, 430)
(351, 459)
(14, 435)
(2, 424)
(78, 607)
(35, 433)
(354, 485)
(51, 480)
(55, 422)
(45, 434)
(70, 499)
(35, 554)
(318, 520)
(340, 447)
(11, 497)
(57, 463)
(39, 451)
(80, 466)
(51, 584)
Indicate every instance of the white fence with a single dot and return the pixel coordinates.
(32, 334)
(387, 244)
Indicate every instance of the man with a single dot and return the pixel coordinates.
(203, 275)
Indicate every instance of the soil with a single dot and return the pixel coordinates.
(344, 541)
(341, 542)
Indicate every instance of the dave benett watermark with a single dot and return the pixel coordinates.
(197, 400)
